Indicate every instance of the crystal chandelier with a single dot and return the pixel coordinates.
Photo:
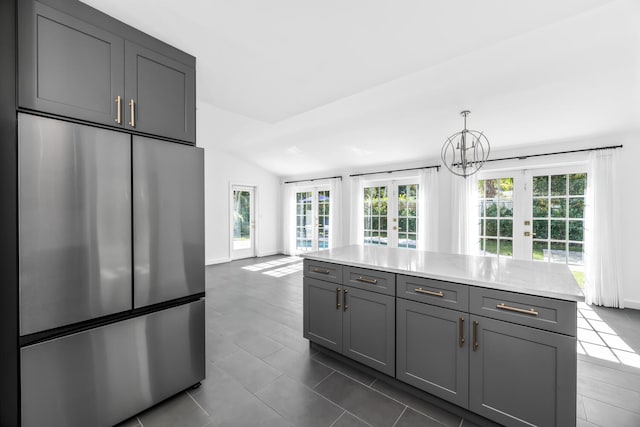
(464, 152)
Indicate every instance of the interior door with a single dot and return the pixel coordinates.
(243, 240)
(391, 214)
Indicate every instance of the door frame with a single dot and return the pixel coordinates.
(252, 252)
(314, 190)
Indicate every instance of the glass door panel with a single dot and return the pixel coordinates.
(495, 217)
(243, 240)
(312, 220)
(375, 216)
(408, 216)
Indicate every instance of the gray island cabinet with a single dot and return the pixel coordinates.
(495, 337)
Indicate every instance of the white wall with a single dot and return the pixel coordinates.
(221, 170)
(628, 194)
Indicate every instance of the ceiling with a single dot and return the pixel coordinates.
(301, 87)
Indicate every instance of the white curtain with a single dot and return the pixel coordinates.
(356, 219)
(336, 237)
(602, 281)
(428, 224)
(289, 219)
(464, 208)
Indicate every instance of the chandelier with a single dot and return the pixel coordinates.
(464, 152)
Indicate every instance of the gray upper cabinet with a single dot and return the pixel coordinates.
(517, 374)
(160, 94)
(433, 350)
(76, 62)
(68, 67)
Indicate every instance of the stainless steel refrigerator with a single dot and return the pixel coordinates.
(111, 250)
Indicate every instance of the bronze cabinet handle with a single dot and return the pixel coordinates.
(365, 280)
(461, 330)
(424, 291)
(320, 270)
(475, 335)
(132, 106)
(337, 298)
(531, 311)
(119, 110)
(344, 301)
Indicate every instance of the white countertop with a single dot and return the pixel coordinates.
(528, 277)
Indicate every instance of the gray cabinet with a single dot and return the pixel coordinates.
(433, 350)
(522, 376)
(83, 68)
(160, 94)
(357, 323)
(68, 67)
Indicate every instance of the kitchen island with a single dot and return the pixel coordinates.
(495, 337)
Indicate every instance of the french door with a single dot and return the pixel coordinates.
(534, 214)
(312, 219)
(391, 214)
(243, 240)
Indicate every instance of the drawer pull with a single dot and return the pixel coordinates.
(344, 301)
(531, 311)
(461, 332)
(424, 291)
(320, 270)
(365, 280)
(475, 335)
(337, 298)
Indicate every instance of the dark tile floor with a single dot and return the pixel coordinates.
(261, 372)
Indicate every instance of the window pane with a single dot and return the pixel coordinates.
(577, 184)
(412, 225)
(558, 230)
(402, 224)
(506, 247)
(541, 228)
(540, 208)
(491, 188)
(540, 185)
(558, 252)
(576, 230)
(506, 228)
(506, 208)
(558, 207)
(491, 246)
(576, 253)
(383, 223)
(481, 227)
(492, 227)
(540, 251)
(492, 209)
(576, 207)
(558, 185)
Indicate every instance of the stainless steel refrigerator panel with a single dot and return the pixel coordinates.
(74, 222)
(103, 376)
(168, 211)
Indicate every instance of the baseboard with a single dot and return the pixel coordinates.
(213, 261)
(269, 253)
(632, 304)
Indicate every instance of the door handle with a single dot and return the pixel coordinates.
(475, 335)
(337, 298)
(344, 301)
(132, 106)
(119, 110)
(461, 331)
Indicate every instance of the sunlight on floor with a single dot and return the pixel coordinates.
(271, 264)
(283, 271)
(597, 339)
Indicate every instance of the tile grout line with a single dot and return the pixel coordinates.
(330, 373)
(584, 396)
(199, 406)
(337, 419)
(399, 416)
(139, 422)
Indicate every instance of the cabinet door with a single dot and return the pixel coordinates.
(369, 329)
(323, 313)
(163, 94)
(433, 350)
(68, 67)
(522, 376)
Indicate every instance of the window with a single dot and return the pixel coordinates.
(312, 219)
(495, 217)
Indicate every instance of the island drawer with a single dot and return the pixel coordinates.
(434, 292)
(323, 271)
(539, 312)
(370, 280)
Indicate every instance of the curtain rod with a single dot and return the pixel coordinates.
(314, 179)
(553, 154)
(396, 170)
